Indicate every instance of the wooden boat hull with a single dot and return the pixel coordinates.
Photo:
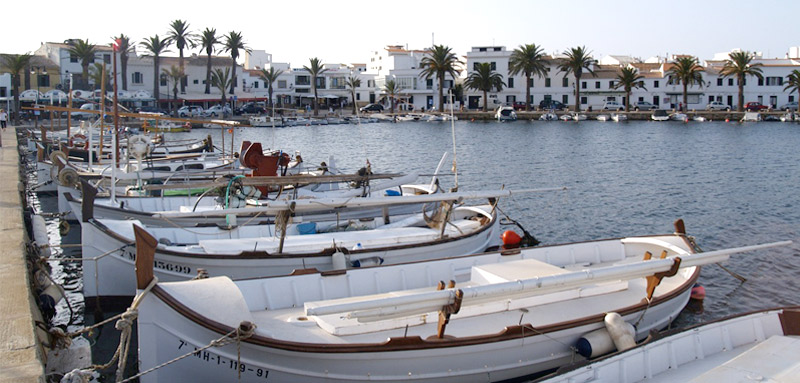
(112, 277)
(493, 346)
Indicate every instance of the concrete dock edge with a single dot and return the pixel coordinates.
(20, 352)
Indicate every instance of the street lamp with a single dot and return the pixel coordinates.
(38, 71)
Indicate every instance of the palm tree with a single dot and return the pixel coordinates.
(269, 77)
(484, 79)
(180, 35)
(353, 83)
(793, 82)
(124, 47)
(233, 43)
(208, 39)
(688, 72)
(156, 46)
(176, 75)
(628, 79)
(96, 74)
(439, 61)
(85, 52)
(392, 90)
(221, 80)
(458, 92)
(15, 64)
(315, 69)
(739, 64)
(577, 60)
(529, 60)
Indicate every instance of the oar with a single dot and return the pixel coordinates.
(335, 203)
(428, 301)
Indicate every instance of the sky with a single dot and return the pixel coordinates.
(348, 31)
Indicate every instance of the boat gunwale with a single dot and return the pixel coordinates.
(246, 254)
(411, 343)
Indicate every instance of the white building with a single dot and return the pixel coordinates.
(403, 66)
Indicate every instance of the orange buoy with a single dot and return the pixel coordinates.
(510, 239)
(698, 292)
(727, 120)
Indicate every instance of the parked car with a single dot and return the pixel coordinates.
(250, 108)
(718, 105)
(551, 104)
(190, 111)
(643, 105)
(89, 115)
(613, 105)
(519, 105)
(754, 106)
(372, 108)
(217, 111)
(790, 107)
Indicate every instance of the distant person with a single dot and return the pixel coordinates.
(3, 118)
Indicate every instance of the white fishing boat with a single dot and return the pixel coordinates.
(246, 251)
(751, 117)
(411, 117)
(549, 116)
(145, 209)
(572, 116)
(505, 113)
(659, 115)
(699, 119)
(753, 347)
(617, 117)
(679, 117)
(603, 117)
(438, 117)
(266, 121)
(501, 316)
(130, 179)
(790, 117)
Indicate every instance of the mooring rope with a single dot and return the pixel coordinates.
(244, 331)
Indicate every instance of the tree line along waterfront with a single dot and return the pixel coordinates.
(207, 71)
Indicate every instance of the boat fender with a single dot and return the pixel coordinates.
(622, 333)
(595, 343)
(600, 342)
(40, 235)
(698, 292)
(68, 177)
(49, 293)
(510, 239)
(339, 260)
(58, 154)
(367, 262)
(63, 228)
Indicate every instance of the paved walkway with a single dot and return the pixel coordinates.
(20, 357)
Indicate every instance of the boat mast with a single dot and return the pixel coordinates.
(453, 129)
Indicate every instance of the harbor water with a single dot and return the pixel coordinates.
(733, 185)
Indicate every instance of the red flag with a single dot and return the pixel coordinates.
(117, 43)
